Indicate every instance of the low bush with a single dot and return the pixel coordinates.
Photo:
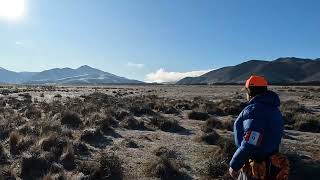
(33, 113)
(227, 147)
(67, 159)
(211, 123)
(165, 167)
(196, 115)
(14, 139)
(34, 167)
(71, 119)
(306, 122)
(109, 167)
(231, 107)
(165, 124)
(211, 138)
(132, 123)
(290, 108)
(218, 168)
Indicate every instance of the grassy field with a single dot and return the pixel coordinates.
(142, 132)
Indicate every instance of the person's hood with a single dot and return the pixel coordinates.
(269, 98)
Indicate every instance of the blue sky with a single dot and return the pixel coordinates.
(133, 38)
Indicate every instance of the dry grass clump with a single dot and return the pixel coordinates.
(290, 108)
(25, 95)
(120, 115)
(3, 155)
(210, 138)
(58, 176)
(217, 168)
(196, 115)
(139, 111)
(14, 139)
(81, 149)
(132, 123)
(67, 159)
(231, 107)
(306, 122)
(166, 108)
(213, 108)
(105, 124)
(71, 119)
(109, 167)
(6, 173)
(300, 118)
(165, 152)
(54, 144)
(211, 123)
(165, 124)
(33, 113)
(129, 143)
(227, 147)
(34, 166)
(95, 138)
(166, 166)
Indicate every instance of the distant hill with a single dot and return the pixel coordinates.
(280, 71)
(84, 75)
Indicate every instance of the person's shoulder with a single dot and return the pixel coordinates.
(249, 111)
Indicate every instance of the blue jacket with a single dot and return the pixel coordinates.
(258, 129)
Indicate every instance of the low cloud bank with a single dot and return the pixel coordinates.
(163, 76)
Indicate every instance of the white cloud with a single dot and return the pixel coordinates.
(136, 65)
(18, 43)
(161, 75)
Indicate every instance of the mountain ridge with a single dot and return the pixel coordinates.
(284, 70)
(82, 75)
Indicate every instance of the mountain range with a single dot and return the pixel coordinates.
(84, 75)
(287, 70)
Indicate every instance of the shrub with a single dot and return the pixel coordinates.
(33, 113)
(129, 143)
(7, 173)
(33, 167)
(290, 108)
(71, 119)
(213, 109)
(108, 168)
(307, 122)
(3, 156)
(231, 107)
(132, 123)
(198, 115)
(228, 123)
(139, 111)
(217, 167)
(14, 139)
(67, 159)
(80, 149)
(227, 146)
(105, 124)
(211, 138)
(165, 124)
(165, 152)
(94, 137)
(121, 115)
(26, 95)
(165, 168)
(211, 124)
(167, 109)
(53, 144)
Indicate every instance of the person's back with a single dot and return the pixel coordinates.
(258, 129)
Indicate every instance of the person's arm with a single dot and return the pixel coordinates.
(238, 130)
(251, 141)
